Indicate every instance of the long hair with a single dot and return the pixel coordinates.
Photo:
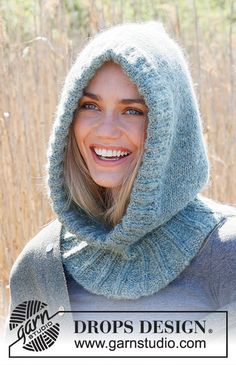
(105, 204)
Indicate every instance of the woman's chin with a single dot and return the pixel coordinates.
(107, 183)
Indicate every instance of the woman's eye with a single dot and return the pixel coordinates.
(91, 106)
(88, 106)
(134, 112)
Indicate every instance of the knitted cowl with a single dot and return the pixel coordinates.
(166, 221)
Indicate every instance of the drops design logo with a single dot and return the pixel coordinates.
(34, 326)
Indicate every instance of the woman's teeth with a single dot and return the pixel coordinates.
(110, 154)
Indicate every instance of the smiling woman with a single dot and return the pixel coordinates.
(106, 141)
(108, 129)
(126, 165)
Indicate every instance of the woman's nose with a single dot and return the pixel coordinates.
(108, 127)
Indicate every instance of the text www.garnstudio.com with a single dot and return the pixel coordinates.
(161, 343)
(156, 337)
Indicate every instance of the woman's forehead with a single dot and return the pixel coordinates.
(111, 76)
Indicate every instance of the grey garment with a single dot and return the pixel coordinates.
(38, 274)
(208, 283)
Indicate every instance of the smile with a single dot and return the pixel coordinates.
(104, 154)
(108, 157)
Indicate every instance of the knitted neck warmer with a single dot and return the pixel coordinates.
(166, 220)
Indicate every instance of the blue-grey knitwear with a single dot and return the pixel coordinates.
(207, 284)
(167, 219)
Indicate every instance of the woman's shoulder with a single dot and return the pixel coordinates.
(35, 267)
(218, 251)
(220, 245)
(222, 261)
(223, 237)
(223, 217)
(44, 241)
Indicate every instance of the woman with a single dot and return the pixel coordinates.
(126, 165)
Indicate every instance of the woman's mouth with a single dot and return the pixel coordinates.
(109, 156)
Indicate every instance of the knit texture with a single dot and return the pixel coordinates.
(167, 220)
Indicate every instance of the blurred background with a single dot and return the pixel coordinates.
(39, 39)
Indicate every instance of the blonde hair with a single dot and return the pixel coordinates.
(106, 204)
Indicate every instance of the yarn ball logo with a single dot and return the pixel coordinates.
(34, 326)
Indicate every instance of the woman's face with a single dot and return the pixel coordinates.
(110, 125)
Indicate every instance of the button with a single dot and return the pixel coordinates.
(61, 308)
(49, 247)
(69, 235)
(81, 245)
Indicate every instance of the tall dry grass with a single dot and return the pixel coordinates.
(33, 67)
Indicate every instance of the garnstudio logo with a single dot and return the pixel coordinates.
(34, 326)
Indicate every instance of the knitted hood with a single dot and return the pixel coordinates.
(166, 220)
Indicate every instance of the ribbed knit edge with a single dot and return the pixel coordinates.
(154, 261)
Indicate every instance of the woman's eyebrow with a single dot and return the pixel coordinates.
(123, 101)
